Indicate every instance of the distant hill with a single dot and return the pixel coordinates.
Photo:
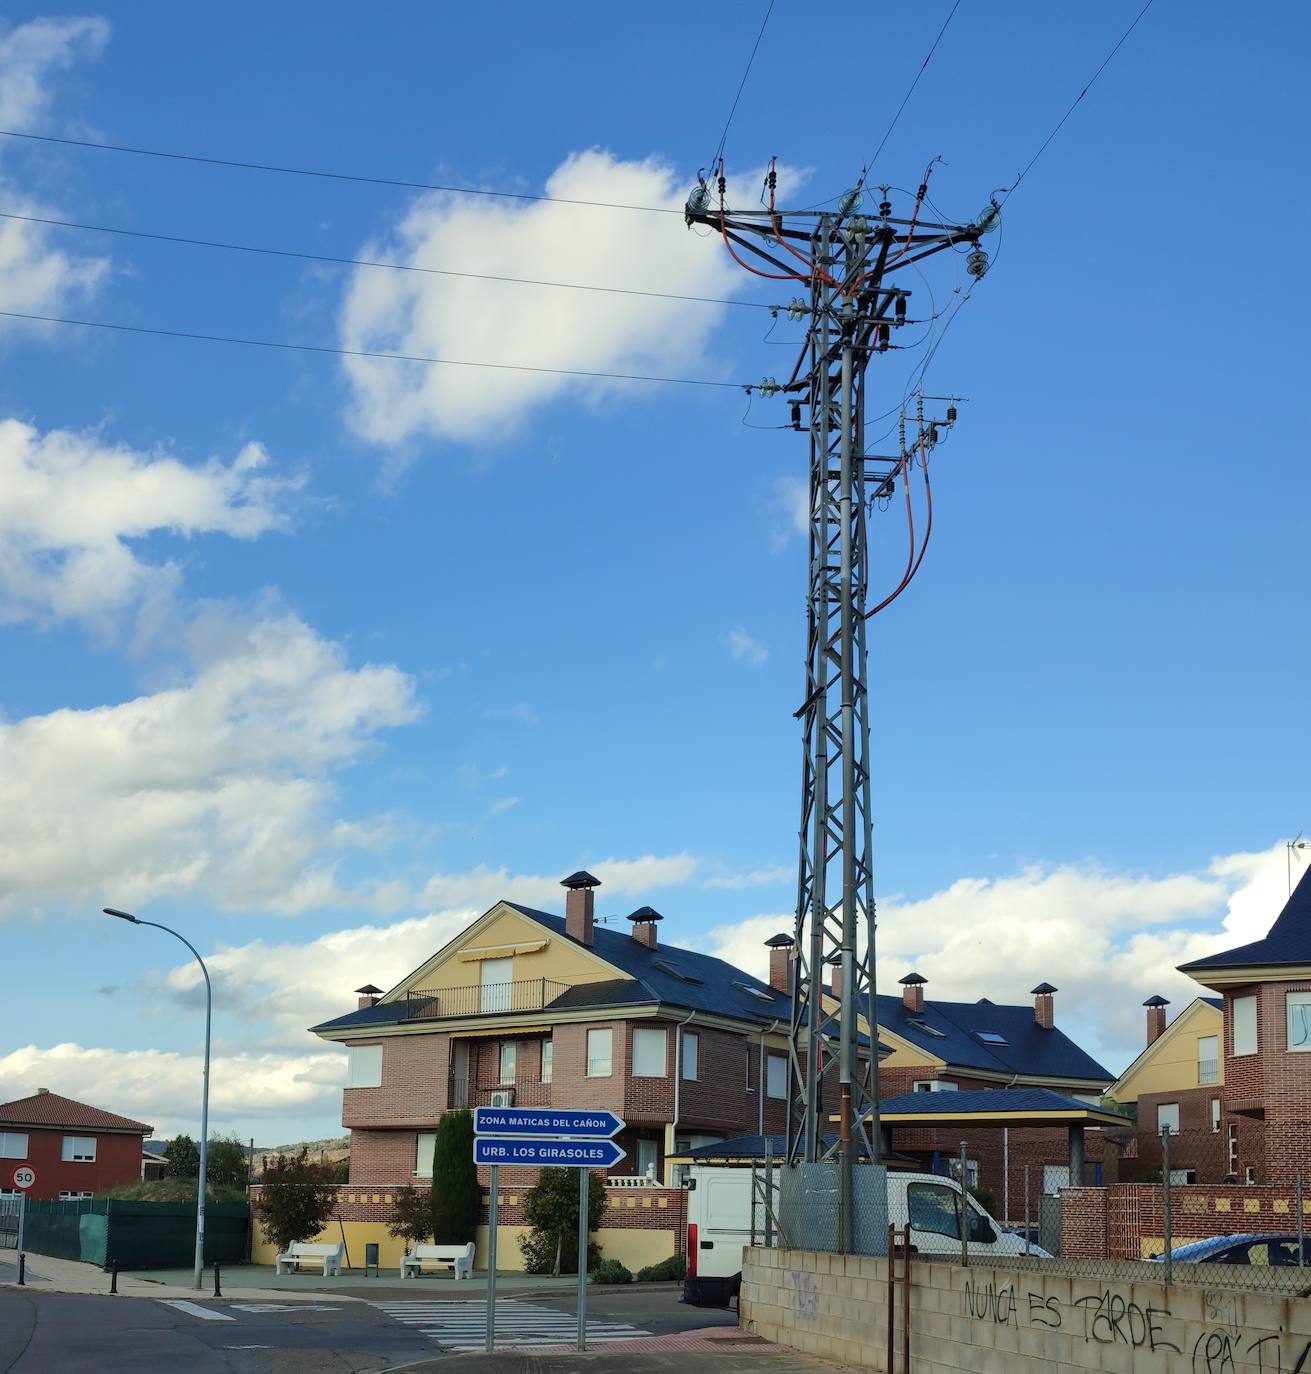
(331, 1149)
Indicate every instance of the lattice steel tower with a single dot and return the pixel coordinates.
(847, 260)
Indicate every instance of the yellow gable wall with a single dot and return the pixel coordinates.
(558, 959)
(1170, 1065)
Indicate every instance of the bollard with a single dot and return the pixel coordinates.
(22, 1269)
(218, 1292)
(113, 1276)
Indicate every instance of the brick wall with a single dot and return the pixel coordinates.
(415, 1082)
(118, 1160)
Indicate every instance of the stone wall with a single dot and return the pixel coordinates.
(1019, 1321)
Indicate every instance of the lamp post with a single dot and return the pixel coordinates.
(204, 1100)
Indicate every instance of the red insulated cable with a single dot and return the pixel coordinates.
(913, 562)
(732, 252)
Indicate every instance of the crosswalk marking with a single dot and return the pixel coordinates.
(193, 1309)
(462, 1326)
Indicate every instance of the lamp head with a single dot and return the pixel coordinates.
(122, 915)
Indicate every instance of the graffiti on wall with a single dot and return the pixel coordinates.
(805, 1293)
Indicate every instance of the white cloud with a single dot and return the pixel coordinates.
(220, 786)
(1106, 940)
(791, 502)
(162, 1088)
(482, 886)
(72, 506)
(503, 805)
(745, 649)
(482, 321)
(36, 278)
(523, 711)
(755, 877)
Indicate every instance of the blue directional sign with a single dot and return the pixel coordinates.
(545, 1121)
(568, 1154)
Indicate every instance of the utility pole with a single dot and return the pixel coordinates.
(848, 262)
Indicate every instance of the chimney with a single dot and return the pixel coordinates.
(835, 977)
(1044, 1009)
(42, 1091)
(912, 993)
(1155, 1017)
(780, 962)
(368, 996)
(644, 925)
(579, 906)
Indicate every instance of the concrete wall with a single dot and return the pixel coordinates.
(1019, 1321)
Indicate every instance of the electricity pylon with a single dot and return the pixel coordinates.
(847, 260)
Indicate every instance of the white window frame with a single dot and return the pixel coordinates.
(1213, 1059)
(548, 1060)
(1163, 1117)
(691, 1056)
(595, 1058)
(1215, 1114)
(646, 1145)
(650, 1052)
(13, 1144)
(1247, 1035)
(922, 1085)
(1298, 1027)
(1233, 1149)
(364, 1066)
(508, 1049)
(776, 1088)
(496, 984)
(75, 1149)
(425, 1145)
(1249, 1174)
(72, 1195)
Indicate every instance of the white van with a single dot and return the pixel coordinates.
(719, 1225)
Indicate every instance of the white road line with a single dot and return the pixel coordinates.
(461, 1326)
(193, 1309)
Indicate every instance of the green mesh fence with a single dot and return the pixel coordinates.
(138, 1235)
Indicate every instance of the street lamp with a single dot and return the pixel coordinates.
(204, 1100)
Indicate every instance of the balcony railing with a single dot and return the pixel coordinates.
(1208, 1070)
(486, 999)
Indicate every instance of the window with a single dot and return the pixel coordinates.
(1299, 1021)
(548, 1060)
(79, 1149)
(1233, 1150)
(991, 1038)
(776, 1076)
(925, 1029)
(647, 1157)
(922, 1085)
(681, 974)
(1249, 1174)
(934, 1085)
(1244, 1018)
(1167, 1118)
(1183, 1175)
(691, 1044)
(1215, 1113)
(1208, 1058)
(13, 1145)
(933, 1208)
(66, 1195)
(763, 993)
(425, 1144)
(509, 1062)
(495, 988)
(364, 1066)
(599, 1049)
(971, 1172)
(649, 1049)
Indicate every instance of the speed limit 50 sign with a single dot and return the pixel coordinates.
(24, 1176)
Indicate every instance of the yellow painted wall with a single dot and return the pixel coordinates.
(561, 960)
(1170, 1065)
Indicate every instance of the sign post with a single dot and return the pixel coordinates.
(569, 1138)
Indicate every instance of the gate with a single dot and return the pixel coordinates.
(11, 1220)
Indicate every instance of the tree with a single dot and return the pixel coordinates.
(297, 1198)
(411, 1216)
(226, 1164)
(183, 1156)
(456, 1194)
(550, 1207)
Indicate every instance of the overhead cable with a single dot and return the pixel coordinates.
(367, 262)
(362, 352)
(741, 85)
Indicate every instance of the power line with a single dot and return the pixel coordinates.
(332, 176)
(906, 98)
(367, 262)
(362, 352)
(1091, 82)
(741, 85)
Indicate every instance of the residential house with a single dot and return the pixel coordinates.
(72, 1149)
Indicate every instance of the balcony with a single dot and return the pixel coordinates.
(488, 999)
(1208, 1071)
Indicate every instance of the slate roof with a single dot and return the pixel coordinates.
(1029, 1049)
(989, 1100)
(744, 1147)
(1288, 941)
(50, 1109)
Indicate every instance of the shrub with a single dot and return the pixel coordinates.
(226, 1162)
(673, 1268)
(183, 1156)
(412, 1215)
(551, 1209)
(611, 1271)
(455, 1196)
(297, 1198)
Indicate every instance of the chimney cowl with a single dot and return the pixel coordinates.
(780, 948)
(580, 906)
(644, 925)
(43, 1092)
(580, 879)
(912, 992)
(368, 996)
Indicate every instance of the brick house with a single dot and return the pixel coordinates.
(1231, 1076)
(74, 1149)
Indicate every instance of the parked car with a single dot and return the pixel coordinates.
(1250, 1249)
(719, 1226)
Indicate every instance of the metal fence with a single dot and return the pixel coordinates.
(11, 1221)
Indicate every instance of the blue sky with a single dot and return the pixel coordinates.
(315, 660)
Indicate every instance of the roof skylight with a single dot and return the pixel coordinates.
(991, 1038)
(665, 967)
(926, 1028)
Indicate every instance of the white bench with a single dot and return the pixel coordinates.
(456, 1257)
(307, 1252)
